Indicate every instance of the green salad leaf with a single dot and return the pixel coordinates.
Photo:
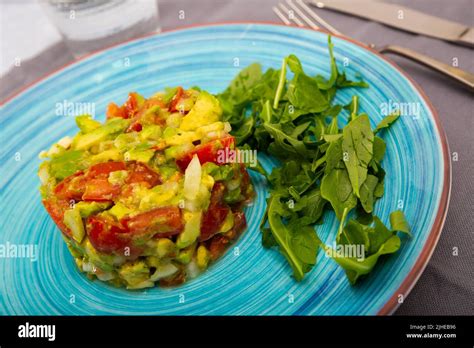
(330, 159)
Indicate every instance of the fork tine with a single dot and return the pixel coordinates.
(302, 15)
(291, 15)
(318, 19)
(281, 15)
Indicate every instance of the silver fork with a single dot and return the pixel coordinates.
(303, 15)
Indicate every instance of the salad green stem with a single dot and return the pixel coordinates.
(281, 84)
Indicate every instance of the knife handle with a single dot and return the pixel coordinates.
(457, 74)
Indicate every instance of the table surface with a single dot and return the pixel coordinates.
(447, 284)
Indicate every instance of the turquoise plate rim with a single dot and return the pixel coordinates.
(410, 280)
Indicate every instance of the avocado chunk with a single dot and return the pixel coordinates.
(150, 132)
(192, 230)
(186, 255)
(67, 164)
(165, 247)
(228, 223)
(85, 141)
(206, 110)
(73, 220)
(87, 209)
(86, 124)
(203, 256)
(118, 177)
(107, 155)
(119, 211)
(139, 155)
(102, 261)
(134, 273)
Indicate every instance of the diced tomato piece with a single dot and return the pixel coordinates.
(107, 235)
(175, 100)
(215, 214)
(217, 194)
(115, 111)
(176, 279)
(218, 244)
(164, 221)
(208, 152)
(127, 110)
(135, 127)
(131, 105)
(212, 220)
(140, 172)
(100, 189)
(154, 102)
(105, 168)
(71, 187)
(240, 222)
(56, 209)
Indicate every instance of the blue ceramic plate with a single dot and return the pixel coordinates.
(248, 279)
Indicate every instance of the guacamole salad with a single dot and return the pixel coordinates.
(143, 199)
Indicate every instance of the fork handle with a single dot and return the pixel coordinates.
(457, 74)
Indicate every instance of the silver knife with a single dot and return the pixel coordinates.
(403, 18)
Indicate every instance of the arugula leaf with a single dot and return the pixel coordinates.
(367, 193)
(311, 206)
(354, 233)
(336, 185)
(357, 144)
(298, 246)
(378, 149)
(244, 131)
(241, 86)
(294, 64)
(343, 82)
(399, 222)
(284, 144)
(267, 238)
(376, 241)
(297, 122)
(265, 88)
(304, 93)
(290, 113)
(387, 122)
(378, 235)
(354, 269)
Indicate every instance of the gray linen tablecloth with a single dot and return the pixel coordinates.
(447, 285)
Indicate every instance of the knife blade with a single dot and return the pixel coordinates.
(403, 18)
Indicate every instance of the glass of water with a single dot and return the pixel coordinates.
(89, 25)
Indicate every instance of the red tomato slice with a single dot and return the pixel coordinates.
(215, 214)
(105, 168)
(208, 152)
(135, 126)
(71, 187)
(217, 246)
(131, 105)
(56, 209)
(100, 190)
(240, 222)
(140, 172)
(154, 102)
(212, 219)
(106, 235)
(175, 100)
(164, 221)
(115, 111)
